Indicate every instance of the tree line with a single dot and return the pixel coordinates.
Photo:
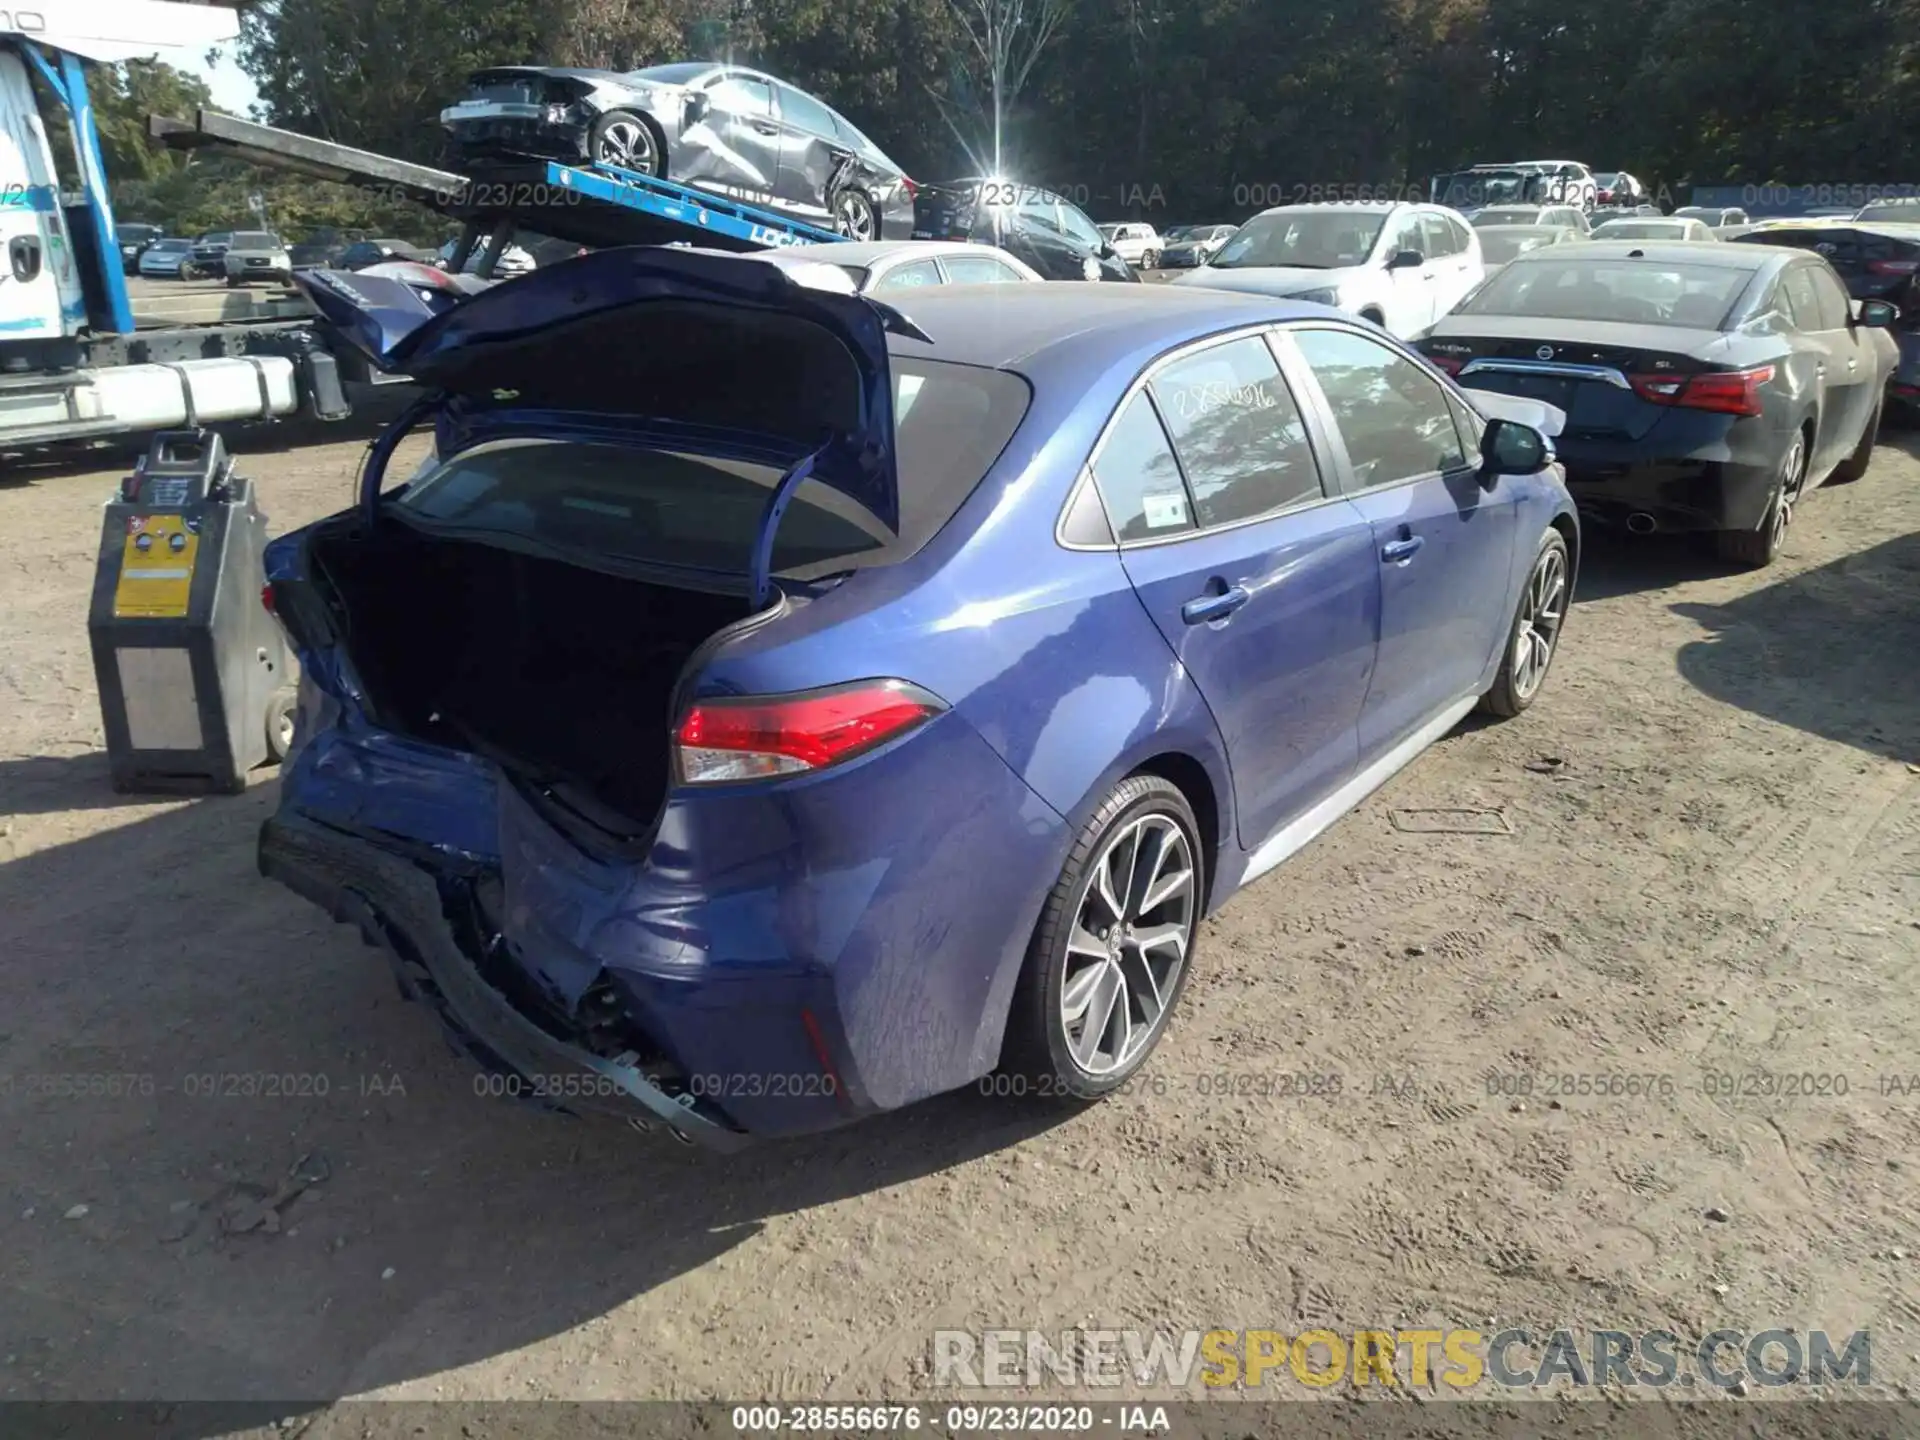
(1174, 110)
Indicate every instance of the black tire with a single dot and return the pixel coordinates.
(1540, 615)
(281, 710)
(624, 133)
(1756, 549)
(1856, 465)
(1038, 1049)
(855, 216)
(1150, 261)
(233, 283)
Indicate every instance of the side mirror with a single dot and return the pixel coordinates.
(1878, 314)
(698, 104)
(1407, 260)
(23, 253)
(1509, 448)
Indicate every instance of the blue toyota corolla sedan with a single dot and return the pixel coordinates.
(769, 708)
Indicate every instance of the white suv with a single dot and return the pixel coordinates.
(1139, 245)
(1400, 266)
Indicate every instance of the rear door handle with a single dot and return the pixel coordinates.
(1399, 552)
(1209, 608)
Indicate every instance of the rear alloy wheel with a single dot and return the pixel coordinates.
(1760, 547)
(1114, 946)
(1535, 635)
(854, 215)
(623, 140)
(1855, 466)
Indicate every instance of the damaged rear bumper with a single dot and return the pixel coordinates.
(400, 906)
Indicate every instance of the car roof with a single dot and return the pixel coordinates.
(1074, 322)
(1678, 252)
(1349, 207)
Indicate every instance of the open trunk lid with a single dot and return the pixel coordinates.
(707, 353)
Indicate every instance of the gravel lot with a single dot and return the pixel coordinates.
(1714, 868)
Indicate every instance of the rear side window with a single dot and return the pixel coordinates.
(914, 276)
(625, 504)
(979, 270)
(799, 108)
(1138, 478)
(1237, 431)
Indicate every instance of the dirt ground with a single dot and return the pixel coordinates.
(1713, 870)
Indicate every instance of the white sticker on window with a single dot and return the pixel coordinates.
(904, 394)
(1162, 510)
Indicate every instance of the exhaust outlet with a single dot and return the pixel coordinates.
(1641, 523)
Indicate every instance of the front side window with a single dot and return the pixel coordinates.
(1394, 416)
(1078, 226)
(742, 95)
(1436, 237)
(1237, 431)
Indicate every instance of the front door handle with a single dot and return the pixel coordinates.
(765, 129)
(1399, 552)
(1208, 608)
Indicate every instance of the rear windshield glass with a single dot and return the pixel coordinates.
(692, 512)
(1638, 292)
(1500, 246)
(1642, 230)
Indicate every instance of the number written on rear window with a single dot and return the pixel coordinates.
(1237, 432)
(1393, 415)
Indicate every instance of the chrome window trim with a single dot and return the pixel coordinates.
(1564, 369)
(1258, 331)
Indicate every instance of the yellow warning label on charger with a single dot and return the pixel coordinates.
(156, 567)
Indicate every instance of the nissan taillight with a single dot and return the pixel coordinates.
(1724, 392)
(727, 740)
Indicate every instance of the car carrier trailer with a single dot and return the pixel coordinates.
(591, 206)
(79, 359)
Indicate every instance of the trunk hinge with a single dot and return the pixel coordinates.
(762, 572)
(381, 451)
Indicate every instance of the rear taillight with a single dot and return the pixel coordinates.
(1894, 267)
(913, 190)
(1725, 392)
(1450, 363)
(267, 600)
(725, 741)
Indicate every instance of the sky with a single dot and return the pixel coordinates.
(232, 91)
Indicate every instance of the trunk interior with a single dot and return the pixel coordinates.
(563, 674)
